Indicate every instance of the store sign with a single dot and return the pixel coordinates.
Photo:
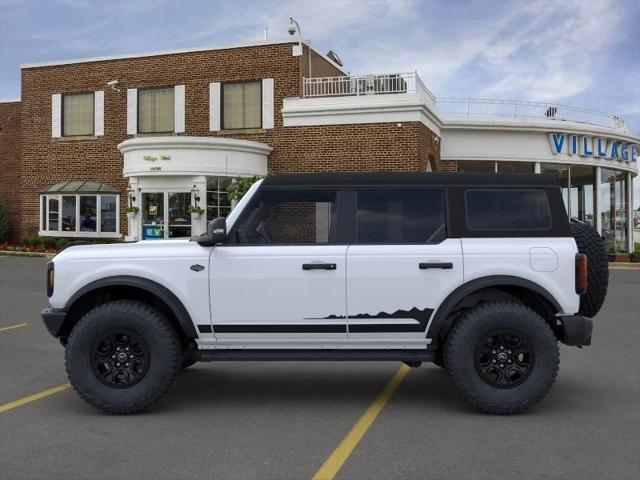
(589, 146)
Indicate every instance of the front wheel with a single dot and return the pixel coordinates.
(122, 356)
(502, 357)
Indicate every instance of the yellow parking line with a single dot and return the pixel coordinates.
(11, 327)
(334, 463)
(32, 398)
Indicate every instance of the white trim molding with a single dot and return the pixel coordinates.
(186, 155)
(391, 108)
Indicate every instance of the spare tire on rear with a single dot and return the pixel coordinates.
(591, 244)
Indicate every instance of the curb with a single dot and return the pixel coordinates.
(11, 253)
(625, 265)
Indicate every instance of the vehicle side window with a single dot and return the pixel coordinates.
(289, 217)
(401, 216)
(507, 209)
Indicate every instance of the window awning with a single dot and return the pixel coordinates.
(80, 186)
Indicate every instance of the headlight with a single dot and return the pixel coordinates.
(50, 278)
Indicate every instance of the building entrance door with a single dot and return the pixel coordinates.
(164, 215)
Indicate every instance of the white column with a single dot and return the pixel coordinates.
(536, 167)
(198, 227)
(598, 200)
(135, 224)
(630, 243)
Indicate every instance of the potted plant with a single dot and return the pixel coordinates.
(131, 212)
(195, 211)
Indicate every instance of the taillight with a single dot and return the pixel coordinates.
(581, 273)
(50, 279)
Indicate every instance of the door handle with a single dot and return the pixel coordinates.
(319, 266)
(442, 265)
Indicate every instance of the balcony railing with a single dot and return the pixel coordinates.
(526, 109)
(365, 85)
(399, 83)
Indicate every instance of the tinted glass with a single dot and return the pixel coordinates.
(88, 214)
(69, 213)
(108, 217)
(286, 217)
(507, 209)
(401, 216)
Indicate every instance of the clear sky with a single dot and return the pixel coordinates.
(577, 52)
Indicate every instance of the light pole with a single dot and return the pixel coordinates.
(293, 28)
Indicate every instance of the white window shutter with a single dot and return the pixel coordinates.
(98, 113)
(178, 99)
(214, 106)
(268, 109)
(132, 111)
(56, 115)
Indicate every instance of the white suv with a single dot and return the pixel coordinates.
(480, 273)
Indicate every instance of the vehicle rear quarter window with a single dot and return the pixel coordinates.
(400, 216)
(507, 209)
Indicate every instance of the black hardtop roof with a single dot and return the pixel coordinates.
(442, 179)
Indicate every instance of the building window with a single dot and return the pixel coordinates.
(582, 203)
(66, 212)
(156, 110)
(242, 105)
(78, 114)
(615, 209)
(218, 203)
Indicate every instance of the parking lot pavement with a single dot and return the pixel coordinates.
(282, 420)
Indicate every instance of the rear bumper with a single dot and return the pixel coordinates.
(575, 330)
(53, 319)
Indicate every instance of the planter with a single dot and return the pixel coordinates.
(131, 216)
(196, 216)
(619, 257)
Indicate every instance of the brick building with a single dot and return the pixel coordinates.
(165, 130)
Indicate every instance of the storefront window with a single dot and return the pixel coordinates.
(582, 202)
(615, 209)
(476, 166)
(515, 167)
(562, 172)
(218, 203)
(79, 215)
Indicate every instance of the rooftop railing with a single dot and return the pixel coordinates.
(365, 85)
(479, 107)
(398, 83)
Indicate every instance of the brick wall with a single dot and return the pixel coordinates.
(295, 149)
(10, 163)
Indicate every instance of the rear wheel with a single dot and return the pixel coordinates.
(502, 357)
(122, 356)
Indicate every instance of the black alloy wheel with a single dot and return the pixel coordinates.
(120, 359)
(504, 358)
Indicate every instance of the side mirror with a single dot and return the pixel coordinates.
(216, 233)
(217, 230)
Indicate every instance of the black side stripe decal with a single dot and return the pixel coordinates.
(371, 328)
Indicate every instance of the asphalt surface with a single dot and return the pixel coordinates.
(281, 420)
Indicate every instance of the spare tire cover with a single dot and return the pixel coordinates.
(590, 243)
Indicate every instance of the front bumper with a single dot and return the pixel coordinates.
(53, 319)
(575, 330)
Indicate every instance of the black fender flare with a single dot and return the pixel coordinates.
(154, 288)
(442, 323)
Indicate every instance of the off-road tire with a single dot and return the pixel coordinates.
(460, 357)
(164, 349)
(592, 245)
